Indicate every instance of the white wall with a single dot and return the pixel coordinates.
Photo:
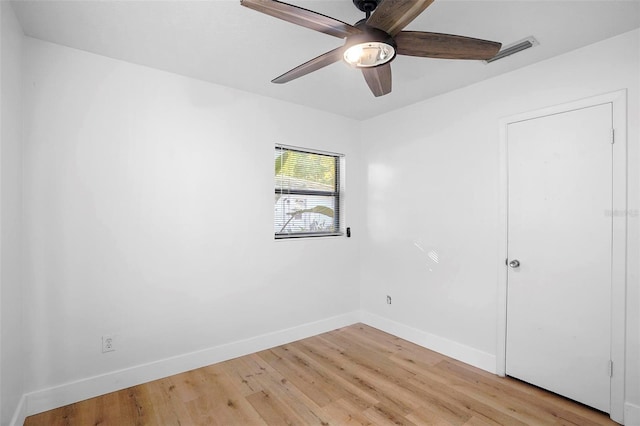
(11, 365)
(148, 214)
(432, 199)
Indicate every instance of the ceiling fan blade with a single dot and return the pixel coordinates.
(392, 16)
(310, 66)
(445, 46)
(302, 17)
(379, 79)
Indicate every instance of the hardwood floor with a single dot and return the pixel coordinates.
(356, 375)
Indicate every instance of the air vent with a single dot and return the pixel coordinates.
(514, 48)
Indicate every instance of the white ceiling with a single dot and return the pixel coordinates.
(224, 43)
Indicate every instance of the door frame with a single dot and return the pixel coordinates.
(618, 99)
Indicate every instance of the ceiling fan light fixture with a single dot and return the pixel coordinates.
(369, 54)
(371, 48)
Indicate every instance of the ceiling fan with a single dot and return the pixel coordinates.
(372, 43)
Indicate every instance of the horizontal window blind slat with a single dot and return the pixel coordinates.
(310, 150)
(308, 234)
(303, 192)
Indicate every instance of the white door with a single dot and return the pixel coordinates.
(560, 232)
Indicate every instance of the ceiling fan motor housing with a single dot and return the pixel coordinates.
(367, 6)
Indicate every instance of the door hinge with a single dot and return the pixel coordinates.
(610, 368)
(613, 136)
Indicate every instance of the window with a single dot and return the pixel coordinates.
(307, 193)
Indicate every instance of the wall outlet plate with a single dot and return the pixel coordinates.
(108, 343)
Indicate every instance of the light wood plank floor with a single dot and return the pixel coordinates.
(356, 375)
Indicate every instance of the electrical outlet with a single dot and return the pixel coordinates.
(108, 343)
(388, 300)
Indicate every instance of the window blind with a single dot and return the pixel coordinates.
(307, 193)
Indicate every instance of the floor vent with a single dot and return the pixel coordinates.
(514, 48)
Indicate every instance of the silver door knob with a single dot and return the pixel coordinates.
(514, 263)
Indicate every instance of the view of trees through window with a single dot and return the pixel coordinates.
(306, 193)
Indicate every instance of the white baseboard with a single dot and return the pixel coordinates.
(68, 393)
(631, 414)
(439, 344)
(20, 414)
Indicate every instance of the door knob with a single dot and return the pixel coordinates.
(514, 263)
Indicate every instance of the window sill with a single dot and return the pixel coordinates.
(307, 236)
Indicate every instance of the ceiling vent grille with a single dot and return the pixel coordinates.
(514, 48)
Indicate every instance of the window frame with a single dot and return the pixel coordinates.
(336, 194)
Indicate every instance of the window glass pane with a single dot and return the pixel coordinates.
(304, 213)
(304, 171)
